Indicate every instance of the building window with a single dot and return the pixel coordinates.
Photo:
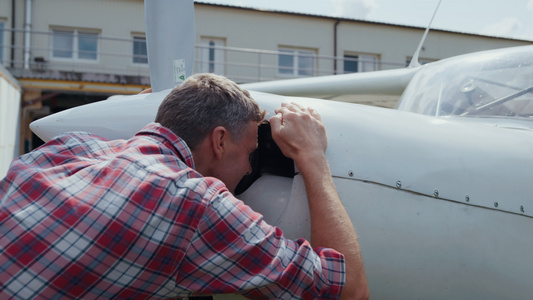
(212, 56)
(74, 44)
(360, 63)
(140, 55)
(296, 62)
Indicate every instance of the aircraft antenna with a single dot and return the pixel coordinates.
(414, 62)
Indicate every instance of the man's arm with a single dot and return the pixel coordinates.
(300, 134)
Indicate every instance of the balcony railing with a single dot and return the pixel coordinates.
(115, 61)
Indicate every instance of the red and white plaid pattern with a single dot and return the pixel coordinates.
(82, 217)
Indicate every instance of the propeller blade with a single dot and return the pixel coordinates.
(170, 41)
(116, 118)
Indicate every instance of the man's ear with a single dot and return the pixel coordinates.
(219, 141)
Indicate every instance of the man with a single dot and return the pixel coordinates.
(154, 216)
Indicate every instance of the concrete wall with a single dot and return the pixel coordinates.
(393, 45)
(265, 32)
(9, 120)
(115, 20)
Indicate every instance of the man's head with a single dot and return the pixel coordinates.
(216, 118)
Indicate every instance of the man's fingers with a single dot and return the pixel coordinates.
(314, 113)
(297, 108)
(296, 129)
(294, 107)
(282, 110)
(277, 135)
(275, 122)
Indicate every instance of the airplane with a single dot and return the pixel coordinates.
(439, 189)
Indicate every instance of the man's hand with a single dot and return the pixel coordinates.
(298, 132)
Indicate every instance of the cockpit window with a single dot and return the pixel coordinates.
(491, 84)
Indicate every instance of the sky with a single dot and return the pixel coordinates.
(501, 18)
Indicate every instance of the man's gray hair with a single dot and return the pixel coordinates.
(204, 101)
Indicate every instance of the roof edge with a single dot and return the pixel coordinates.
(265, 10)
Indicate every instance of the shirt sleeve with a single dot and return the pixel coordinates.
(235, 251)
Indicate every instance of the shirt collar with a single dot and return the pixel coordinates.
(169, 139)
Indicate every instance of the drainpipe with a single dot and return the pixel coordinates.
(13, 26)
(335, 46)
(27, 35)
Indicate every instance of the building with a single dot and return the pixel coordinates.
(9, 120)
(66, 53)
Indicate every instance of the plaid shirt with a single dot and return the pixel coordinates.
(82, 217)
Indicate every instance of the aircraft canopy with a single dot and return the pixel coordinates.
(496, 83)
